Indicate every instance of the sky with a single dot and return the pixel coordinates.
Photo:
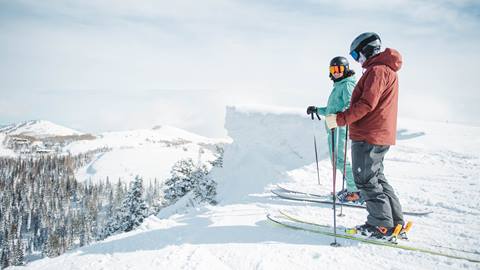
(109, 65)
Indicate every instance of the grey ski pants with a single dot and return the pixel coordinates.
(383, 206)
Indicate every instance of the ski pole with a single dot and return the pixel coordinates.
(344, 168)
(315, 145)
(334, 197)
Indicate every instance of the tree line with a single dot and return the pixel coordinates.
(45, 211)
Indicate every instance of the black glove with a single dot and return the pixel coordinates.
(311, 110)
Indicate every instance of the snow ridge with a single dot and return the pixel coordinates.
(38, 129)
(265, 146)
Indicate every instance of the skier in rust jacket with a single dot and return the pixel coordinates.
(372, 117)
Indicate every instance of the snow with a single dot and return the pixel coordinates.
(140, 137)
(150, 162)
(265, 146)
(38, 129)
(149, 153)
(434, 165)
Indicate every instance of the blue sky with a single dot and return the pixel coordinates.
(113, 65)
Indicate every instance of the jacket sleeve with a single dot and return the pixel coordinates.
(347, 95)
(322, 110)
(374, 85)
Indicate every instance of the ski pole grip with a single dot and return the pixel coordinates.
(317, 116)
(311, 115)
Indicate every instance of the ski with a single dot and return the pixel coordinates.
(282, 188)
(324, 196)
(304, 198)
(351, 231)
(299, 224)
(354, 231)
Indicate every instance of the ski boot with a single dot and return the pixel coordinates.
(379, 232)
(351, 197)
(405, 229)
(365, 229)
(342, 193)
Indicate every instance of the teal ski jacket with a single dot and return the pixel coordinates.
(339, 101)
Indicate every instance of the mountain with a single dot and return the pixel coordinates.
(38, 129)
(150, 153)
(431, 167)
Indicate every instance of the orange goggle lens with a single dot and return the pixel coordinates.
(337, 69)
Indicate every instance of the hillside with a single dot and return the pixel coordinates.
(116, 155)
(38, 129)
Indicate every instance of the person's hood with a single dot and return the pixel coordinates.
(389, 57)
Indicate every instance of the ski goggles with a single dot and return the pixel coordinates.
(337, 69)
(355, 55)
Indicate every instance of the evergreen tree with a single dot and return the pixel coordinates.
(132, 212)
(18, 255)
(111, 227)
(119, 194)
(205, 186)
(133, 209)
(5, 256)
(43, 209)
(52, 246)
(187, 177)
(180, 181)
(218, 162)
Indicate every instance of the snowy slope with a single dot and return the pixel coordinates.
(138, 138)
(38, 129)
(149, 153)
(434, 166)
(150, 162)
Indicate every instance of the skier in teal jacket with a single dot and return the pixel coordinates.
(338, 101)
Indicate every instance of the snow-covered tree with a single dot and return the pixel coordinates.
(18, 254)
(45, 210)
(111, 227)
(52, 246)
(180, 181)
(132, 212)
(5, 255)
(134, 209)
(186, 177)
(205, 186)
(218, 162)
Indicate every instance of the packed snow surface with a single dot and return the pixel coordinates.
(434, 166)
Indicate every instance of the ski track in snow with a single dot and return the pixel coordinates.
(424, 170)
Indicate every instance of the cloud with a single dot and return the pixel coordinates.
(159, 57)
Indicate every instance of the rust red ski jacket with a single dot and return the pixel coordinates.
(372, 115)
